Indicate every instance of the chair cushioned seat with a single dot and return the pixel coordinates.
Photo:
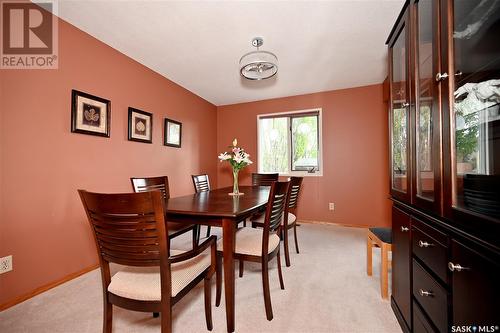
(143, 283)
(291, 219)
(249, 241)
(384, 234)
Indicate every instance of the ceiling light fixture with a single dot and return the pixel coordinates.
(258, 65)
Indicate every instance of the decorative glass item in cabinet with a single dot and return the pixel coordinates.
(399, 115)
(476, 38)
(424, 162)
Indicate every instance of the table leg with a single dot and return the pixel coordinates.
(228, 235)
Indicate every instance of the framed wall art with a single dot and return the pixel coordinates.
(172, 133)
(140, 125)
(90, 114)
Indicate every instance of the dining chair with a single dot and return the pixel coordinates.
(260, 245)
(264, 179)
(289, 220)
(161, 183)
(202, 184)
(130, 229)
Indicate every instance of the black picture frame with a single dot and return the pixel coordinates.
(137, 119)
(90, 114)
(169, 139)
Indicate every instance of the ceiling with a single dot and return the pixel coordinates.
(320, 45)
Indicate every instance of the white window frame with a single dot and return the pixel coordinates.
(290, 173)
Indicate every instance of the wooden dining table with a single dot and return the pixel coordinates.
(218, 208)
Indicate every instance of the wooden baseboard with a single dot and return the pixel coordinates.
(334, 223)
(46, 287)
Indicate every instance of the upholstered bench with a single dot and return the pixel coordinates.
(382, 238)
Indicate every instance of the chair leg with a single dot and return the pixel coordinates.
(196, 236)
(208, 231)
(166, 320)
(285, 245)
(241, 268)
(108, 317)
(280, 274)
(384, 280)
(208, 305)
(369, 248)
(265, 286)
(295, 236)
(218, 280)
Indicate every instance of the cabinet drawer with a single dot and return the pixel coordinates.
(420, 322)
(431, 296)
(429, 246)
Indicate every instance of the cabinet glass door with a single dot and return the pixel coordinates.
(476, 108)
(425, 103)
(399, 114)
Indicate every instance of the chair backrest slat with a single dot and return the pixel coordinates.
(295, 186)
(274, 211)
(278, 207)
(129, 229)
(151, 184)
(201, 183)
(264, 179)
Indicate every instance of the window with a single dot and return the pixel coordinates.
(290, 143)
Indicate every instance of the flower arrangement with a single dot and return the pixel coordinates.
(238, 159)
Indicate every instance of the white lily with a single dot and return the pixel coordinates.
(238, 158)
(224, 156)
(246, 158)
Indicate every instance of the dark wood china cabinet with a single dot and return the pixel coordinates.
(444, 120)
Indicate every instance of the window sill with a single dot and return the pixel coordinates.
(301, 174)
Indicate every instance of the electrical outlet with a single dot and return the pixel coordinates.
(331, 206)
(5, 264)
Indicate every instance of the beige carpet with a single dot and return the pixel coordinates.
(326, 290)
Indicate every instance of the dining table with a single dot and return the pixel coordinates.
(220, 209)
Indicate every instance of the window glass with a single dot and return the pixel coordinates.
(305, 143)
(289, 143)
(273, 145)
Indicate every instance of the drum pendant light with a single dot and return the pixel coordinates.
(258, 65)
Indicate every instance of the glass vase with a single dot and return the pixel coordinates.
(236, 190)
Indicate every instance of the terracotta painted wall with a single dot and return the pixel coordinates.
(355, 132)
(42, 164)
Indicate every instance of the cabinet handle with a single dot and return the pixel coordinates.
(456, 267)
(404, 229)
(441, 76)
(405, 104)
(425, 293)
(424, 244)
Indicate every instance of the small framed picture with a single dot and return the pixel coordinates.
(173, 133)
(140, 125)
(90, 114)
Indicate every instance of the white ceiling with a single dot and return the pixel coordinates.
(321, 45)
